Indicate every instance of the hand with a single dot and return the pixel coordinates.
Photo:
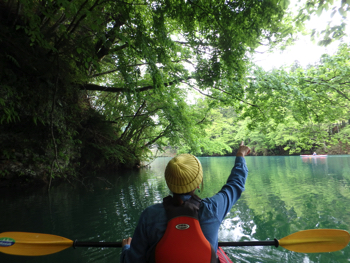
(126, 241)
(243, 150)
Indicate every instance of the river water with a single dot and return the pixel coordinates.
(284, 194)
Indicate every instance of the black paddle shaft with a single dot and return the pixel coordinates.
(250, 243)
(96, 244)
(221, 244)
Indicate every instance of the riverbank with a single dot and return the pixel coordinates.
(88, 178)
(338, 149)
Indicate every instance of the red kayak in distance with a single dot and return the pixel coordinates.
(319, 155)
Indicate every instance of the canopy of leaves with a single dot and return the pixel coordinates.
(293, 110)
(319, 93)
(92, 83)
(97, 82)
(333, 31)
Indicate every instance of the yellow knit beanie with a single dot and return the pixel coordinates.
(183, 173)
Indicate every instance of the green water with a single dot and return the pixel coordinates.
(283, 195)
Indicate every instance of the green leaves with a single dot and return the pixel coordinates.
(286, 110)
(319, 92)
(144, 59)
(333, 31)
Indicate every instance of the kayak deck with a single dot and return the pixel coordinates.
(223, 258)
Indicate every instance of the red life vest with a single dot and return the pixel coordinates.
(183, 240)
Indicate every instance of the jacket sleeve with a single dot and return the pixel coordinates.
(148, 232)
(137, 250)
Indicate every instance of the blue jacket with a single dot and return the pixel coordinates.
(153, 220)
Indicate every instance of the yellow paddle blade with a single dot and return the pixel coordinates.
(316, 240)
(32, 244)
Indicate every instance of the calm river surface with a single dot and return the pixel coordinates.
(283, 195)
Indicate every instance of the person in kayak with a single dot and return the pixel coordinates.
(183, 176)
(314, 153)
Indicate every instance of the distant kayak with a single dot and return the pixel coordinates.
(318, 155)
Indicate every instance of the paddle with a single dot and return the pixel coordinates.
(307, 241)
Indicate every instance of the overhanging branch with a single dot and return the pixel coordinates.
(112, 89)
(90, 86)
(135, 65)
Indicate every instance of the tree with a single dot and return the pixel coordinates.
(287, 110)
(302, 105)
(318, 93)
(97, 82)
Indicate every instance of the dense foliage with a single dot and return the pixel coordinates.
(92, 84)
(288, 111)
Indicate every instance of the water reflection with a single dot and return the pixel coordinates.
(314, 159)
